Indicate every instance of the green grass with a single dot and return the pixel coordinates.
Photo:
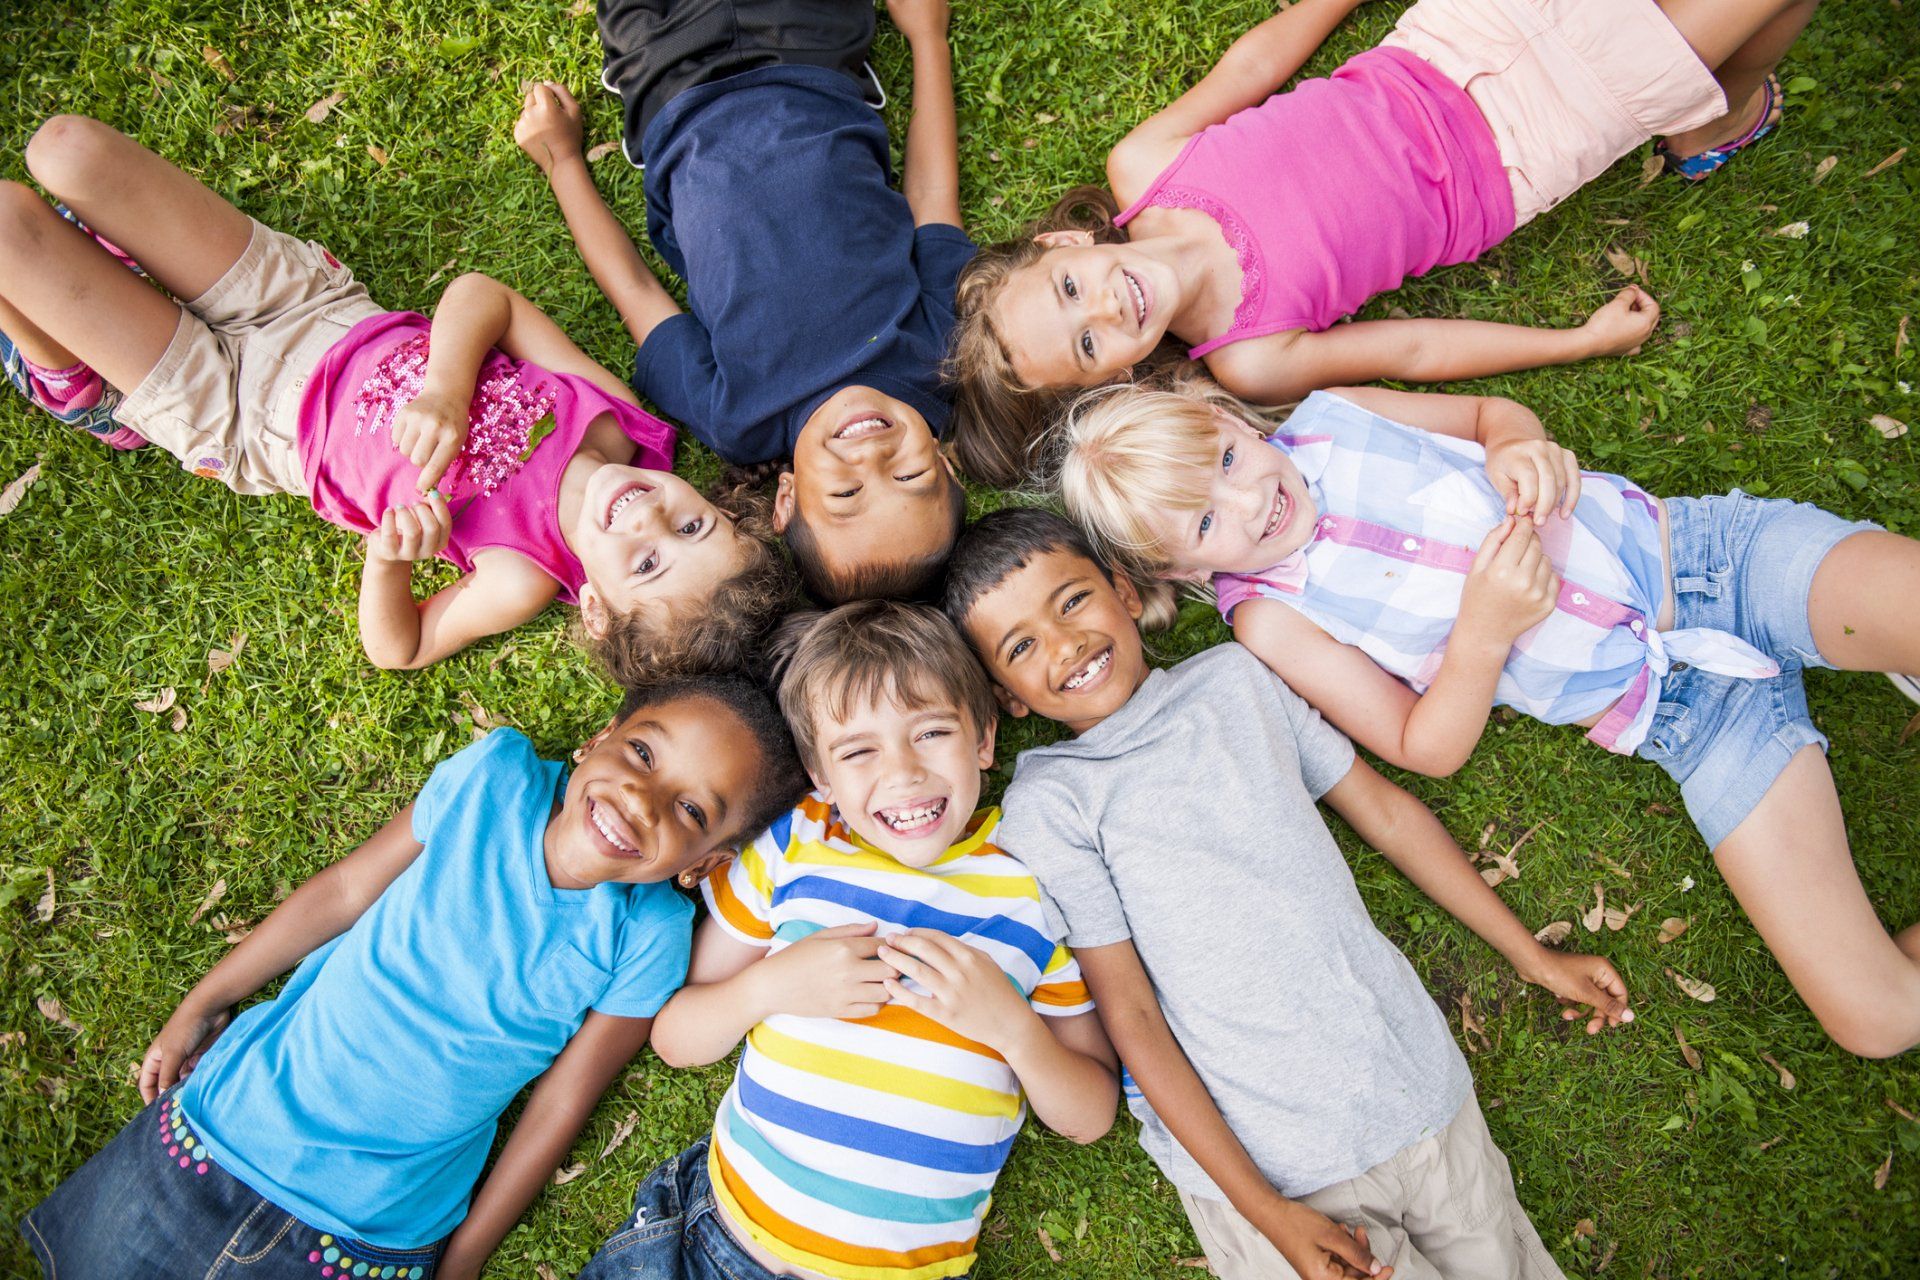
(117, 574)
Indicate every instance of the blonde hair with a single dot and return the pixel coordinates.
(1128, 453)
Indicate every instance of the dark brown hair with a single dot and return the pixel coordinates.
(909, 579)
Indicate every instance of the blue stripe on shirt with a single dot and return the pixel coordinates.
(870, 1136)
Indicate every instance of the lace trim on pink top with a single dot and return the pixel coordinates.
(1253, 271)
(501, 417)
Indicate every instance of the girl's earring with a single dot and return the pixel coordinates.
(579, 754)
(687, 879)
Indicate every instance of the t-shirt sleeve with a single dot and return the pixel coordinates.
(502, 749)
(1045, 830)
(1326, 756)
(740, 893)
(655, 952)
(940, 250)
(1062, 992)
(675, 369)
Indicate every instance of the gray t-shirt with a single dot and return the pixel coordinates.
(1186, 822)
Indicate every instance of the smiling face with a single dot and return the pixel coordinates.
(905, 779)
(869, 482)
(647, 539)
(1060, 639)
(1084, 312)
(1257, 511)
(659, 793)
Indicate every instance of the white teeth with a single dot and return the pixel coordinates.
(908, 820)
(593, 812)
(1278, 514)
(620, 505)
(1091, 670)
(1139, 300)
(864, 427)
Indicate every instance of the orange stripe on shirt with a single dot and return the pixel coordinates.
(901, 1020)
(1062, 994)
(784, 1236)
(734, 911)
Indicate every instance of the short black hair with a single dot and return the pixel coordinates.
(1002, 543)
(781, 780)
(914, 580)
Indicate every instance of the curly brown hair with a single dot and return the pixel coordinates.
(727, 631)
(998, 421)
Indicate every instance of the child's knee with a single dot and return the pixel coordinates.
(67, 150)
(22, 214)
(1871, 1027)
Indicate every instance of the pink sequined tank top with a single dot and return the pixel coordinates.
(503, 489)
(1339, 189)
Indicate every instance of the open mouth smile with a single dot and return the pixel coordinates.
(622, 496)
(863, 427)
(1091, 674)
(1139, 292)
(917, 819)
(1280, 516)
(612, 828)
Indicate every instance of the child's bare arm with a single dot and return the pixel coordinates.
(931, 168)
(1407, 833)
(1065, 1064)
(1286, 366)
(549, 132)
(320, 909)
(1510, 587)
(732, 987)
(1315, 1245)
(400, 633)
(1250, 71)
(562, 1100)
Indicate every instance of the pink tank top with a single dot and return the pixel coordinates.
(503, 489)
(1339, 189)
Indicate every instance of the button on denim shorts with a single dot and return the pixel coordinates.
(1745, 565)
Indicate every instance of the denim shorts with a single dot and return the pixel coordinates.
(153, 1203)
(1745, 565)
(675, 1232)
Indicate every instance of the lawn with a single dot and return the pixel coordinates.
(133, 842)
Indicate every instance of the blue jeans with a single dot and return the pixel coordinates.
(1745, 565)
(675, 1232)
(151, 1203)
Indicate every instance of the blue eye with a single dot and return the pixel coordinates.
(1206, 523)
(1226, 460)
(1072, 290)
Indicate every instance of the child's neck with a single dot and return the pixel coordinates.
(1193, 245)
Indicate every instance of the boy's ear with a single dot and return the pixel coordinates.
(581, 752)
(1129, 595)
(1061, 239)
(593, 612)
(783, 500)
(1008, 702)
(986, 743)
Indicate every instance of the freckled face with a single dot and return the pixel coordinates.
(1085, 313)
(1061, 639)
(1258, 510)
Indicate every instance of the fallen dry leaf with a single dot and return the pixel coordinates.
(1597, 913)
(601, 150)
(378, 153)
(43, 910)
(1606, 1256)
(1200, 1262)
(322, 109)
(1825, 167)
(52, 1010)
(561, 1177)
(1494, 876)
(580, 8)
(1900, 337)
(214, 895)
(219, 660)
(1886, 164)
(1585, 1229)
(1045, 117)
(1886, 1168)
(1687, 1051)
(1759, 418)
(1792, 231)
(1486, 835)
(1701, 991)
(162, 701)
(545, 1271)
(12, 1039)
(1913, 726)
(1671, 928)
(1652, 167)
(1554, 934)
(1628, 265)
(179, 722)
(218, 61)
(1771, 1143)
(1787, 1080)
(621, 1132)
(1901, 1111)
(1617, 917)
(1046, 1242)
(232, 120)
(1889, 427)
(1470, 1025)
(17, 489)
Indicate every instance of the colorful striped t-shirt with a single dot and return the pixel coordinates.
(867, 1148)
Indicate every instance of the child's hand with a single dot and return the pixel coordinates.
(1316, 1246)
(417, 531)
(966, 991)
(1619, 328)
(1511, 586)
(919, 19)
(431, 429)
(1585, 985)
(828, 974)
(548, 129)
(175, 1052)
(1535, 477)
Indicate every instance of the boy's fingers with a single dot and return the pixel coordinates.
(1491, 544)
(563, 93)
(847, 930)
(1350, 1249)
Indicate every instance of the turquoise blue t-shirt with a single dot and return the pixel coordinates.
(363, 1098)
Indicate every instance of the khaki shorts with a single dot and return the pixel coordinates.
(1442, 1209)
(1568, 86)
(225, 397)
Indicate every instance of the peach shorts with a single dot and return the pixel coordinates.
(225, 396)
(1568, 86)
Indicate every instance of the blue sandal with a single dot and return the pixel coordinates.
(1707, 163)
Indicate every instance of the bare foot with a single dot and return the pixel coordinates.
(1734, 124)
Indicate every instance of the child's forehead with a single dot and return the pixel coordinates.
(886, 698)
(1036, 581)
